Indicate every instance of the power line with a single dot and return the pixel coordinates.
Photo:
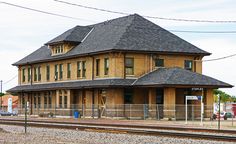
(75, 18)
(213, 32)
(45, 12)
(220, 58)
(153, 17)
(10, 79)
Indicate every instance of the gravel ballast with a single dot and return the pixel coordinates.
(15, 134)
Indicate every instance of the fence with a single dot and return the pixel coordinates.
(127, 111)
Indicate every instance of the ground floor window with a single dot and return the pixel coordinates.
(45, 100)
(35, 101)
(50, 100)
(128, 96)
(23, 102)
(65, 101)
(39, 101)
(159, 96)
(60, 101)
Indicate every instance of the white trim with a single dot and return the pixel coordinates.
(87, 35)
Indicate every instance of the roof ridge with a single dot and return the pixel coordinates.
(126, 28)
(152, 71)
(174, 69)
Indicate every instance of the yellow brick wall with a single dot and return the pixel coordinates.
(143, 63)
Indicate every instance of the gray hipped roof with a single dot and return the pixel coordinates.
(129, 33)
(178, 76)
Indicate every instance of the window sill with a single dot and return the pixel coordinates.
(130, 75)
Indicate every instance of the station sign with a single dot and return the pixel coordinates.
(197, 89)
(193, 97)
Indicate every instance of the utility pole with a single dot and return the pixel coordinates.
(1, 95)
(219, 114)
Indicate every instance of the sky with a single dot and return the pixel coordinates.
(23, 31)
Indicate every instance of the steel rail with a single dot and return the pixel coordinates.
(113, 129)
(156, 127)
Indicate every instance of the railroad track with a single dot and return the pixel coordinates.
(129, 129)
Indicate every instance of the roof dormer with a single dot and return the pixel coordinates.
(68, 40)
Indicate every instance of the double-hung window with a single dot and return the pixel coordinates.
(61, 71)
(68, 70)
(56, 73)
(97, 67)
(129, 66)
(188, 64)
(106, 66)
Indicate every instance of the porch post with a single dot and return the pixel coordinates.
(57, 98)
(209, 101)
(151, 102)
(169, 103)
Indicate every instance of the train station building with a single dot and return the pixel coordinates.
(125, 67)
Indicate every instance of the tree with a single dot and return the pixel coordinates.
(2, 94)
(233, 99)
(224, 97)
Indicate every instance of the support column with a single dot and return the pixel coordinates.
(169, 103)
(209, 101)
(57, 98)
(152, 102)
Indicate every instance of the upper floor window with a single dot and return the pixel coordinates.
(29, 74)
(83, 68)
(37, 73)
(23, 74)
(97, 67)
(59, 49)
(129, 66)
(68, 70)
(79, 69)
(48, 72)
(56, 72)
(159, 62)
(60, 71)
(106, 66)
(188, 64)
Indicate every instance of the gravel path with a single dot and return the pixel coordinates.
(15, 134)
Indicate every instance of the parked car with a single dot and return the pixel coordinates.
(5, 113)
(223, 114)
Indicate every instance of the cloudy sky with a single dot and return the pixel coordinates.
(23, 31)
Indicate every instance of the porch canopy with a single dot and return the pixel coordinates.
(161, 77)
(102, 83)
(177, 77)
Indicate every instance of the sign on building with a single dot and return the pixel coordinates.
(9, 108)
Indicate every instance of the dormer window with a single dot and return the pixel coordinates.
(59, 49)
